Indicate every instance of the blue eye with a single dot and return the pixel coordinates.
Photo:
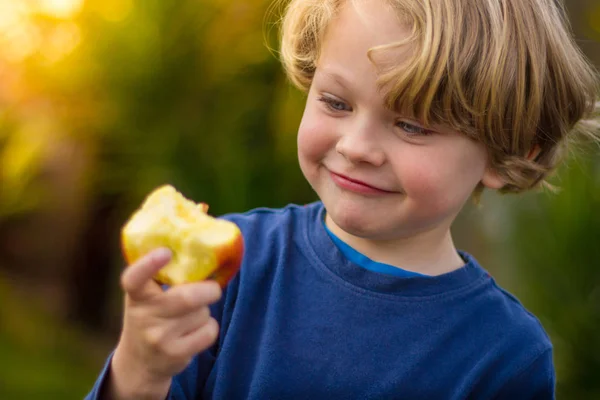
(334, 105)
(412, 129)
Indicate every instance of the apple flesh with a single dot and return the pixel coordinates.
(203, 247)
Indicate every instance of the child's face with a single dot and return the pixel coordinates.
(413, 181)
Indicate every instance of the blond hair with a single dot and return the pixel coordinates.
(506, 73)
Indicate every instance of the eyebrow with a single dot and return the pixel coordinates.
(336, 77)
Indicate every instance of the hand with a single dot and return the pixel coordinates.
(162, 330)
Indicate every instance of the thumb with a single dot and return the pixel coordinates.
(137, 280)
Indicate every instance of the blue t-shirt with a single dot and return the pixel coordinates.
(302, 321)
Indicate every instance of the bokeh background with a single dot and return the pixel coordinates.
(103, 100)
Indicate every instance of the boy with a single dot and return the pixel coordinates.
(412, 106)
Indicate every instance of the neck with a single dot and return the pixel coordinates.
(429, 253)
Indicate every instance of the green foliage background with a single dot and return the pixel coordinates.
(104, 101)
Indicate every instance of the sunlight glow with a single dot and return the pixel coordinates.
(21, 37)
(20, 41)
(60, 8)
(65, 38)
(11, 14)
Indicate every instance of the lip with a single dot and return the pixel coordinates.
(355, 185)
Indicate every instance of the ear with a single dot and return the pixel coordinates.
(492, 180)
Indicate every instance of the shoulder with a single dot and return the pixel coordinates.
(523, 323)
(501, 313)
(516, 343)
(268, 235)
(260, 222)
(262, 214)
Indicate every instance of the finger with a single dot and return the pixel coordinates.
(197, 340)
(160, 337)
(188, 323)
(137, 281)
(183, 299)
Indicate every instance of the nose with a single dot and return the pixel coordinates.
(360, 144)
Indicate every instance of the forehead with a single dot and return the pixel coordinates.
(359, 27)
(346, 57)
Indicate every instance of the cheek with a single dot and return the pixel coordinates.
(424, 184)
(315, 137)
(443, 181)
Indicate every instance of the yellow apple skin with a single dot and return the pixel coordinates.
(203, 247)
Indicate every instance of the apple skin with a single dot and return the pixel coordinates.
(229, 260)
(193, 259)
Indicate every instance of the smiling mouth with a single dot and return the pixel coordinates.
(356, 186)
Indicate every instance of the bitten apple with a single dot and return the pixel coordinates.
(203, 247)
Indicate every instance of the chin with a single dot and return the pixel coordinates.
(355, 221)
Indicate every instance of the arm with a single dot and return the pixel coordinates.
(189, 383)
(104, 382)
(535, 382)
(162, 331)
